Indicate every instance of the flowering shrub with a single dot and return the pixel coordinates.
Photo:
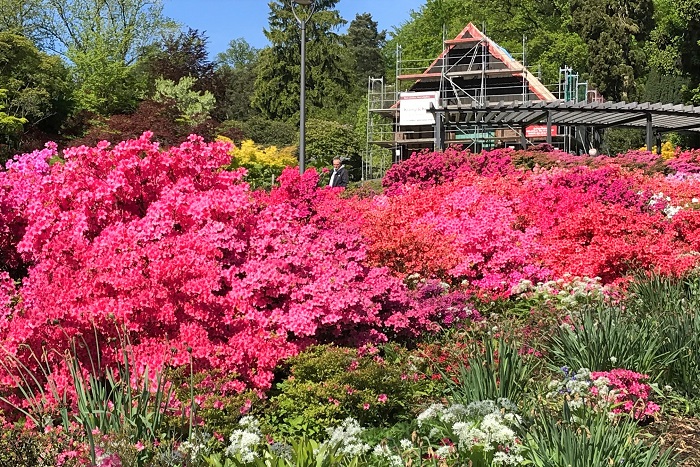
(425, 169)
(195, 266)
(628, 390)
(685, 162)
(464, 224)
(248, 446)
(482, 433)
(565, 292)
(618, 391)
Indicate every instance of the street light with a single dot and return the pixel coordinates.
(310, 7)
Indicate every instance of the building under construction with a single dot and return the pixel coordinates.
(478, 95)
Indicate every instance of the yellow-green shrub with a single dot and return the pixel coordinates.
(262, 163)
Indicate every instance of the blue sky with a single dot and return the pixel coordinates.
(224, 20)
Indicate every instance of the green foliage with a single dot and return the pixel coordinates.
(104, 86)
(621, 140)
(674, 46)
(674, 302)
(235, 76)
(22, 17)
(588, 441)
(238, 54)
(265, 132)
(103, 40)
(328, 384)
(194, 107)
(614, 36)
(365, 43)
(606, 337)
(496, 371)
(37, 92)
(277, 85)
(664, 88)
(37, 84)
(326, 140)
(9, 124)
(20, 447)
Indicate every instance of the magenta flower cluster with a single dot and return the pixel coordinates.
(629, 391)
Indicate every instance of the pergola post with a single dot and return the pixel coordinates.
(439, 144)
(549, 127)
(650, 133)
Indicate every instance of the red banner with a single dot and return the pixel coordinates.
(539, 131)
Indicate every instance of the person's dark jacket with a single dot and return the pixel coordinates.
(341, 177)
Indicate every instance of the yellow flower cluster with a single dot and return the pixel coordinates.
(668, 150)
(249, 154)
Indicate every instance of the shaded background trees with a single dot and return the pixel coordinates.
(77, 70)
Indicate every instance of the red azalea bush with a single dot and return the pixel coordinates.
(493, 231)
(185, 259)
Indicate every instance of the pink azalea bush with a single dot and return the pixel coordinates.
(494, 222)
(184, 259)
(628, 390)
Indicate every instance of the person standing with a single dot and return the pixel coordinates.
(339, 175)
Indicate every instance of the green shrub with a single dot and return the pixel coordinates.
(21, 447)
(328, 384)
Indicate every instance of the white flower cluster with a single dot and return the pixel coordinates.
(575, 388)
(391, 459)
(346, 438)
(670, 210)
(488, 426)
(243, 442)
(194, 447)
(564, 292)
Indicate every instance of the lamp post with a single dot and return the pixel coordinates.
(310, 8)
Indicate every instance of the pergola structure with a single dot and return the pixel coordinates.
(655, 118)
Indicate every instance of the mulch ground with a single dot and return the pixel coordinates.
(682, 434)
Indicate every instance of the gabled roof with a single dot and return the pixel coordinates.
(472, 35)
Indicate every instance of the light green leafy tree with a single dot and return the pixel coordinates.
(22, 17)
(103, 39)
(327, 139)
(194, 107)
(9, 124)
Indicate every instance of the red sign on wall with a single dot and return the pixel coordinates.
(539, 131)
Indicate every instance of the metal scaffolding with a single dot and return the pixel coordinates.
(472, 70)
